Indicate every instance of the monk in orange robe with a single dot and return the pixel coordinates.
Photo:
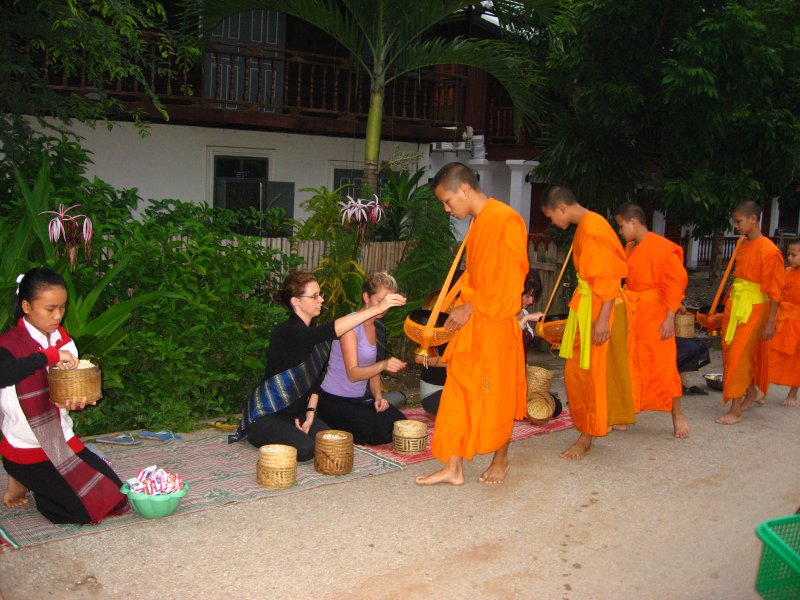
(596, 373)
(784, 349)
(751, 310)
(485, 388)
(654, 291)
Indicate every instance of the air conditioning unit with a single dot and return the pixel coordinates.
(452, 146)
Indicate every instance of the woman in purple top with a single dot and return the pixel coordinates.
(356, 364)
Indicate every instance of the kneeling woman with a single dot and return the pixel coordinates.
(357, 358)
(281, 409)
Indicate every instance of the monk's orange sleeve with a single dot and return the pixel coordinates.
(603, 265)
(774, 275)
(673, 280)
(501, 295)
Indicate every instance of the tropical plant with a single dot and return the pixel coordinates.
(387, 39)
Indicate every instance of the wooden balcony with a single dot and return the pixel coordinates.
(249, 86)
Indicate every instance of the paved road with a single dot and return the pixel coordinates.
(644, 516)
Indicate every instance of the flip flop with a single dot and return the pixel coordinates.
(162, 436)
(224, 426)
(123, 439)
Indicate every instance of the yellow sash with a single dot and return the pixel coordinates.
(744, 294)
(580, 320)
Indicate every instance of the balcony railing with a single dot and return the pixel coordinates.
(261, 82)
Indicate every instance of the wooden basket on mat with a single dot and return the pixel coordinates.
(277, 466)
(82, 384)
(684, 325)
(538, 379)
(553, 331)
(712, 320)
(541, 406)
(333, 454)
(409, 437)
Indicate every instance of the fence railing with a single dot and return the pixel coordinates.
(376, 256)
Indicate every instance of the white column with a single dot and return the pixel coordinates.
(690, 258)
(519, 193)
(483, 168)
(659, 225)
(774, 217)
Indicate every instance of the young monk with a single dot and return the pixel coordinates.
(654, 290)
(748, 322)
(485, 388)
(596, 374)
(784, 349)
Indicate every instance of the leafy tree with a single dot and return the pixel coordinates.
(386, 39)
(696, 100)
(95, 43)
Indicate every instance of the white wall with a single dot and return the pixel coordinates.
(174, 161)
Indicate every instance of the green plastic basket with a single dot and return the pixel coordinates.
(154, 507)
(779, 572)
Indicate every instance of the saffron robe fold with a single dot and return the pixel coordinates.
(784, 348)
(656, 283)
(745, 359)
(598, 257)
(485, 388)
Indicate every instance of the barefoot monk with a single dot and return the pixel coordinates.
(485, 388)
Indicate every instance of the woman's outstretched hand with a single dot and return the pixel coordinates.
(391, 300)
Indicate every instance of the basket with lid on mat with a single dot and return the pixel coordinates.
(409, 437)
(276, 466)
(333, 452)
(82, 384)
(540, 403)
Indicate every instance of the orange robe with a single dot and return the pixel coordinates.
(656, 283)
(784, 348)
(485, 387)
(745, 359)
(599, 259)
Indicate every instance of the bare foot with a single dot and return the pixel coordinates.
(754, 395)
(789, 402)
(16, 494)
(730, 419)
(578, 450)
(680, 426)
(451, 473)
(496, 472)
(618, 427)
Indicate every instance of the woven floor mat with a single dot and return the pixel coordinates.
(219, 473)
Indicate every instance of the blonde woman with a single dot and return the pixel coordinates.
(351, 398)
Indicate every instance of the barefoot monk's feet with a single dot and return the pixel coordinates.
(452, 473)
(753, 396)
(679, 424)
(578, 450)
(16, 494)
(789, 402)
(496, 472)
(618, 427)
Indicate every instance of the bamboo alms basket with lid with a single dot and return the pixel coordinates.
(333, 452)
(277, 466)
(409, 437)
(82, 384)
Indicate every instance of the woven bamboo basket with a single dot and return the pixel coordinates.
(333, 454)
(81, 384)
(276, 466)
(684, 325)
(541, 406)
(409, 437)
(552, 331)
(414, 328)
(538, 379)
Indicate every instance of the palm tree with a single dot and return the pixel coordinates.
(385, 39)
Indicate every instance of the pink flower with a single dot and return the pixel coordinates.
(65, 226)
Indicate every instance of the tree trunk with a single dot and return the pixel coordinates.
(372, 142)
(715, 261)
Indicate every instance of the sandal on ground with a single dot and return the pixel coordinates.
(161, 436)
(123, 439)
(224, 425)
